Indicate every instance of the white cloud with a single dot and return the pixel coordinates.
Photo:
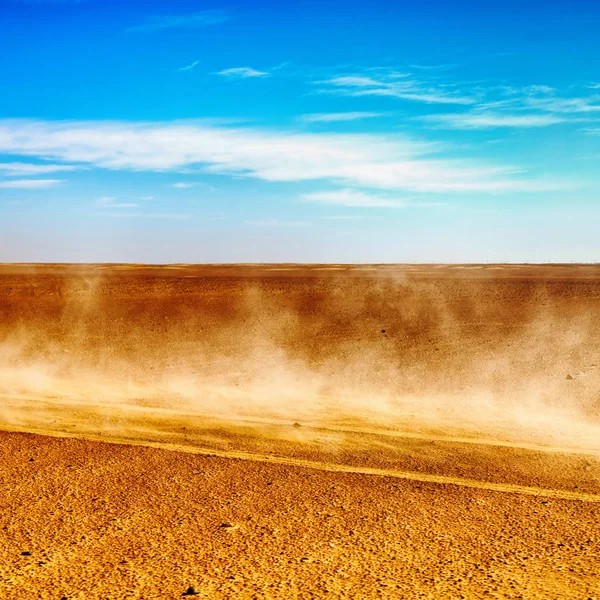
(358, 86)
(50, 1)
(30, 184)
(338, 117)
(445, 67)
(190, 66)
(389, 162)
(103, 200)
(137, 215)
(242, 73)
(343, 218)
(489, 120)
(555, 104)
(199, 19)
(277, 223)
(354, 81)
(182, 185)
(355, 198)
(111, 202)
(17, 169)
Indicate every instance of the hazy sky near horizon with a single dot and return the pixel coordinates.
(330, 131)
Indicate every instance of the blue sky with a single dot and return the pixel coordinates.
(299, 132)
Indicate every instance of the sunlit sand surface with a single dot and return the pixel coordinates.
(367, 431)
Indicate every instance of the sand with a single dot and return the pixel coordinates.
(299, 432)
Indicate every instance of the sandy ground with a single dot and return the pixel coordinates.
(107, 521)
(299, 431)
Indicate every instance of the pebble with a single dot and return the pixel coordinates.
(191, 591)
(569, 377)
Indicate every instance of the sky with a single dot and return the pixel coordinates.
(328, 132)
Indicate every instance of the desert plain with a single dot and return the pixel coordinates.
(299, 431)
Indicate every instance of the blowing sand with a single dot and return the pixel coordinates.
(299, 432)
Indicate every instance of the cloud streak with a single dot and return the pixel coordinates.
(110, 202)
(277, 223)
(343, 218)
(355, 199)
(392, 87)
(191, 21)
(385, 162)
(189, 67)
(29, 184)
(491, 120)
(136, 215)
(19, 169)
(338, 117)
(242, 73)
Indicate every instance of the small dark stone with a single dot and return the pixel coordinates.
(569, 377)
(26, 553)
(297, 425)
(31, 460)
(191, 591)
(383, 331)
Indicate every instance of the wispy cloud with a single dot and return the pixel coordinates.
(338, 117)
(385, 162)
(277, 223)
(29, 184)
(137, 215)
(490, 120)
(355, 198)
(189, 67)
(50, 1)
(554, 104)
(17, 169)
(343, 218)
(443, 67)
(190, 21)
(242, 73)
(104, 200)
(524, 107)
(406, 89)
(180, 185)
(110, 202)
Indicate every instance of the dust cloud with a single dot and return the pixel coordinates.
(502, 354)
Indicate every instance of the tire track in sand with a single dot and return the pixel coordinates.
(329, 467)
